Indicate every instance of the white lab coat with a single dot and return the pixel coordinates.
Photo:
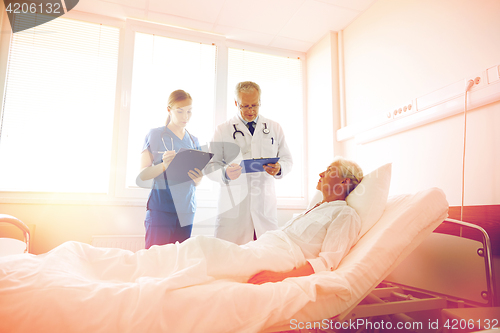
(248, 202)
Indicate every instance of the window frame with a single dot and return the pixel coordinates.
(118, 194)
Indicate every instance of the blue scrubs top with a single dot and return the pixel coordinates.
(175, 198)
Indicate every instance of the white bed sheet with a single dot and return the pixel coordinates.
(71, 300)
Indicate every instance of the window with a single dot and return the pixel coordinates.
(280, 79)
(160, 66)
(58, 107)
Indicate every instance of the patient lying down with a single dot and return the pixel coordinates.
(314, 241)
(320, 237)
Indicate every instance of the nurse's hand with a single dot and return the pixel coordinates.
(167, 158)
(196, 175)
(272, 169)
(233, 171)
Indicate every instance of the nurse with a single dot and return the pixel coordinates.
(171, 205)
(247, 205)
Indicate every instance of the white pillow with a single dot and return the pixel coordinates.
(370, 196)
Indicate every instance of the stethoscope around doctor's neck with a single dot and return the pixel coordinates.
(265, 130)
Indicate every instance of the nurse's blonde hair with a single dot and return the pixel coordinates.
(349, 169)
(176, 96)
(246, 86)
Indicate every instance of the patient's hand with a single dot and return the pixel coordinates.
(267, 276)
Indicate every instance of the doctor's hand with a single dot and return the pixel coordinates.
(272, 169)
(167, 158)
(196, 175)
(233, 171)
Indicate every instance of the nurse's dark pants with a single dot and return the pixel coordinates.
(164, 227)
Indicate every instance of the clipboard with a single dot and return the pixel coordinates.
(257, 164)
(185, 160)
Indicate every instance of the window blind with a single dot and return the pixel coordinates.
(57, 113)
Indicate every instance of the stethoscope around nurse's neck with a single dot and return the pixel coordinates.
(265, 130)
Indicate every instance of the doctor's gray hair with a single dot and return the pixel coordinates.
(246, 86)
(349, 169)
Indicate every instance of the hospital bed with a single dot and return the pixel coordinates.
(64, 296)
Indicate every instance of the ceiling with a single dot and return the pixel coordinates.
(287, 24)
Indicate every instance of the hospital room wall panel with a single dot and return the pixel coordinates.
(397, 51)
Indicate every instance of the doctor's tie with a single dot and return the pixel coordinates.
(251, 128)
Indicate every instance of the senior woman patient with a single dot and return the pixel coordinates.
(314, 241)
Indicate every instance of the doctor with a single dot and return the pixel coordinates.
(247, 205)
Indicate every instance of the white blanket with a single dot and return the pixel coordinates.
(80, 288)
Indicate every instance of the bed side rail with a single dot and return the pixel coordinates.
(4, 218)
(486, 253)
(452, 265)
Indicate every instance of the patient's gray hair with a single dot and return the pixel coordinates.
(349, 169)
(246, 86)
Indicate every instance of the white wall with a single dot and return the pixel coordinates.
(402, 49)
(323, 115)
